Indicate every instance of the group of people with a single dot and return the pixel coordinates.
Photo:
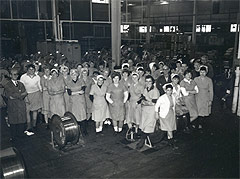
(128, 94)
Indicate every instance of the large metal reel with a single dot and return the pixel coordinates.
(65, 129)
(12, 164)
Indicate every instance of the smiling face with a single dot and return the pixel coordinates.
(169, 91)
(175, 81)
(100, 81)
(188, 76)
(148, 82)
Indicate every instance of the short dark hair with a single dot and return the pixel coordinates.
(169, 86)
(114, 74)
(30, 66)
(203, 69)
(150, 77)
(187, 71)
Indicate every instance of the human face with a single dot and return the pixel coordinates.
(141, 73)
(116, 80)
(135, 78)
(203, 73)
(169, 91)
(54, 74)
(188, 76)
(85, 73)
(175, 81)
(14, 75)
(165, 70)
(106, 73)
(196, 66)
(149, 82)
(204, 60)
(79, 68)
(31, 71)
(125, 75)
(47, 72)
(100, 81)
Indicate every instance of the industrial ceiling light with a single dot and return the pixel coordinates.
(164, 2)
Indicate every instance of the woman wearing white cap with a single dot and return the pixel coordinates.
(135, 90)
(165, 111)
(76, 89)
(56, 88)
(100, 110)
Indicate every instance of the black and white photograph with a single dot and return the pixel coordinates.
(119, 89)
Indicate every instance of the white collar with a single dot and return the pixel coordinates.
(188, 81)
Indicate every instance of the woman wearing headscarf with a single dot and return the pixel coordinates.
(117, 95)
(204, 97)
(148, 121)
(100, 110)
(76, 89)
(56, 89)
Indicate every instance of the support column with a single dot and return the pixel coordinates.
(148, 22)
(236, 91)
(54, 18)
(194, 23)
(116, 34)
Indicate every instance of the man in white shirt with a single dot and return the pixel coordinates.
(34, 99)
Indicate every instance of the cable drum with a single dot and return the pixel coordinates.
(12, 164)
(65, 129)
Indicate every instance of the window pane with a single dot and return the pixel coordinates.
(45, 9)
(81, 10)
(5, 9)
(100, 12)
(64, 9)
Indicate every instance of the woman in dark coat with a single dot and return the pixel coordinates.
(15, 93)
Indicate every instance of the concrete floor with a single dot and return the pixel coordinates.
(212, 153)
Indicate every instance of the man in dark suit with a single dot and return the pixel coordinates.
(163, 79)
(15, 93)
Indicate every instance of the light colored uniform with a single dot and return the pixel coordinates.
(135, 91)
(57, 103)
(167, 115)
(117, 108)
(100, 110)
(204, 96)
(148, 121)
(190, 99)
(77, 102)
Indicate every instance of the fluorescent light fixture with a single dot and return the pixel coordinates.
(164, 2)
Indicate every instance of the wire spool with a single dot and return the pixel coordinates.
(65, 129)
(12, 164)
